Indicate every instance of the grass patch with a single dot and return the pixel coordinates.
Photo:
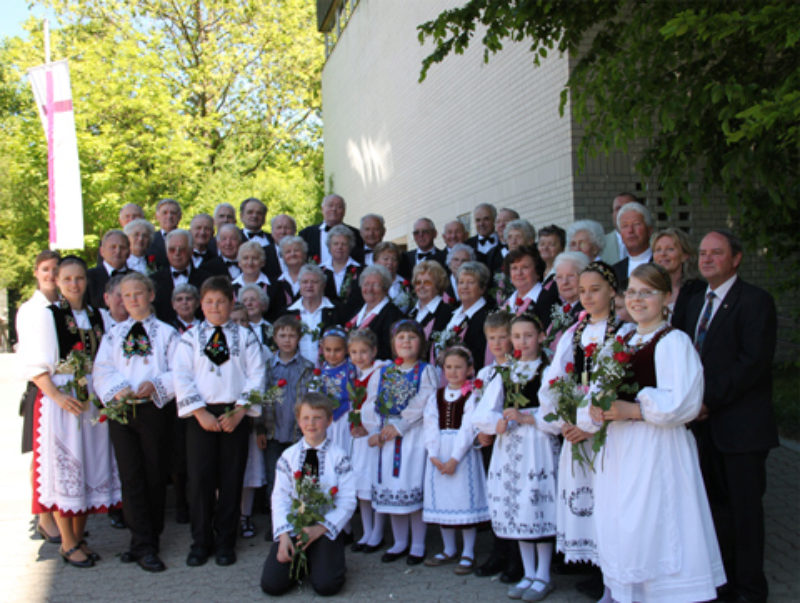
(786, 399)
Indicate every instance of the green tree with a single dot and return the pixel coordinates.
(202, 100)
(712, 91)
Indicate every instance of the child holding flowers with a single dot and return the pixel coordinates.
(455, 485)
(392, 415)
(362, 346)
(662, 547)
(313, 499)
(522, 473)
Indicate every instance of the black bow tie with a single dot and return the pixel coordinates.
(251, 235)
(311, 462)
(328, 227)
(199, 254)
(231, 263)
(482, 240)
(177, 273)
(367, 250)
(117, 271)
(425, 256)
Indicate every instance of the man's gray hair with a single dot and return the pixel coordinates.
(638, 208)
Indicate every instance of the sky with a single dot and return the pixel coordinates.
(14, 13)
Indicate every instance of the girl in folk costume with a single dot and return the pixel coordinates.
(74, 468)
(522, 473)
(392, 415)
(133, 364)
(362, 346)
(336, 372)
(455, 484)
(663, 546)
(596, 326)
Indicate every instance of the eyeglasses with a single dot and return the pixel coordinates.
(641, 294)
(416, 233)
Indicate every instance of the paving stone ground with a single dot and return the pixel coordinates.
(32, 571)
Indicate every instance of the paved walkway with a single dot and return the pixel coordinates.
(31, 570)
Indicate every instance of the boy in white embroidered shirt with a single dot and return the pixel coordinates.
(316, 455)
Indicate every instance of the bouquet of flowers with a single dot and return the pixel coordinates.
(515, 375)
(444, 339)
(78, 364)
(347, 282)
(405, 299)
(117, 409)
(309, 505)
(325, 385)
(396, 390)
(571, 396)
(269, 398)
(560, 320)
(357, 390)
(502, 288)
(472, 385)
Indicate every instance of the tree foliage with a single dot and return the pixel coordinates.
(201, 100)
(711, 91)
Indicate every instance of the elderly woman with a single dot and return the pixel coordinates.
(552, 241)
(673, 252)
(140, 232)
(460, 253)
(73, 459)
(524, 268)
(256, 303)
(466, 324)
(568, 266)
(294, 255)
(314, 310)
(519, 233)
(251, 259)
(342, 271)
(378, 313)
(586, 236)
(430, 311)
(389, 256)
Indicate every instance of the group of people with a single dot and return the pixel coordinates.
(452, 387)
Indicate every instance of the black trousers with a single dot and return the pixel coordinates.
(215, 463)
(142, 451)
(735, 484)
(326, 568)
(178, 465)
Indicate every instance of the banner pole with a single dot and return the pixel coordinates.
(46, 41)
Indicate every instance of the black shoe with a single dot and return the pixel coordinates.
(46, 537)
(182, 515)
(357, 547)
(414, 559)
(65, 555)
(226, 558)
(196, 558)
(373, 548)
(92, 555)
(128, 557)
(151, 563)
(116, 518)
(389, 557)
(592, 587)
(490, 567)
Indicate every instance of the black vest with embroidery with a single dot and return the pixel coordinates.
(450, 413)
(69, 334)
(531, 389)
(643, 365)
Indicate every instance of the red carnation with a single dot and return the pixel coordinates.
(282, 382)
(298, 474)
(353, 270)
(334, 491)
(568, 308)
(316, 259)
(570, 367)
(552, 382)
(78, 347)
(620, 339)
(456, 329)
(517, 354)
(622, 357)
(151, 258)
(102, 419)
(590, 349)
(519, 301)
(477, 383)
(398, 361)
(317, 372)
(406, 282)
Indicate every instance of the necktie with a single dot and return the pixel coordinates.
(199, 254)
(177, 273)
(311, 463)
(217, 347)
(136, 342)
(118, 271)
(702, 327)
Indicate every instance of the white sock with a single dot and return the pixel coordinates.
(418, 529)
(468, 535)
(528, 554)
(400, 533)
(247, 501)
(449, 541)
(365, 508)
(544, 554)
(607, 598)
(378, 521)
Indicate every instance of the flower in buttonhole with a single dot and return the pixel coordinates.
(517, 354)
(151, 258)
(478, 383)
(567, 307)
(457, 329)
(570, 367)
(282, 382)
(334, 491)
(519, 301)
(590, 349)
(398, 361)
(317, 372)
(350, 324)
(406, 282)
(353, 270)
(78, 347)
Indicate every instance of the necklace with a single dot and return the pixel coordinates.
(650, 329)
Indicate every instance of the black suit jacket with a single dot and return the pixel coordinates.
(97, 278)
(277, 302)
(409, 260)
(162, 280)
(158, 248)
(621, 272)
(475, 338)
(330, 318)
(473, 242)
(310, 234)
(381, 325)
(272, 267)
(440, 317)
(494, 259)
(351, 301)
(737, 363)
(208, 257)
(216, 267)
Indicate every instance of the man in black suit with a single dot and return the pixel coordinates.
(373, 229)
(484, 215)
(114, 251)
(496, 255)
(333, 210)
(204, 245)
(168, 215)
(229, 238)
(224, 213)
(253, 214)
(424, 234)
(635, 225)
(733, 324)
(178, 271)
(128, 213)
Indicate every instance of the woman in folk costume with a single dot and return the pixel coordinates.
(655, 533)
(75, 472)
